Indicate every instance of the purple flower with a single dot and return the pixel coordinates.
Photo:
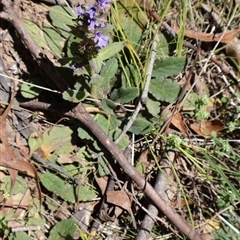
(92, 12)
(104, 4)
(76, 66)
(79, 10)
(102, 25)
(92, 23)
(101, 40)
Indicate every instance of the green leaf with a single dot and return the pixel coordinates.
(95, 79)
(102, 167)
(225, 233)
(130, 76)
(34, 142)
(190, 101)
(6, 184)
(108, 71)
(124, 142)
(54, 40)
(62, 19)
(75, 96)
(72, 47)
(153, 107)
(164, 89)
(101, 84)
(57, 139)
(71, 168)
(86, 193)
(29, 91)
(102, 122)
(84, 134)
(110, 50)
(67, 192)
(55, 184)
(66, 229)
(96, 64)
(141, 126)
(19, 236)
(104, 90)
(130, 10)
(35, 219)
(36, 33)
(168, 67)
(124, 95)
(133, 33)
(20, 187)
(140, 167)
(113, 123)
(108, 106)
(107, 30)
(163, 47)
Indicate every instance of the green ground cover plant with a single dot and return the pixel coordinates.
(162, 97)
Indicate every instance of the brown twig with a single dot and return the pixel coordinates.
(160, 187)
(60, 2)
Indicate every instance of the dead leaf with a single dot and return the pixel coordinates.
(205, 127)
(69, 158)
(120, 199)
(21, 200)
(181, 203)
(225, 37)
(102, 183)
(2, 176)
(212, 225)
(177, 122)
(118, 211)
(233, 46)
(233, 50)
(22, 149)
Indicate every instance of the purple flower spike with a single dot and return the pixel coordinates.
(101, 40)
(104, 4)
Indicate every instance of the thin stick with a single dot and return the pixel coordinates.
(144, 96)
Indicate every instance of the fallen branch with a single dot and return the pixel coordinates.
(160, 187)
